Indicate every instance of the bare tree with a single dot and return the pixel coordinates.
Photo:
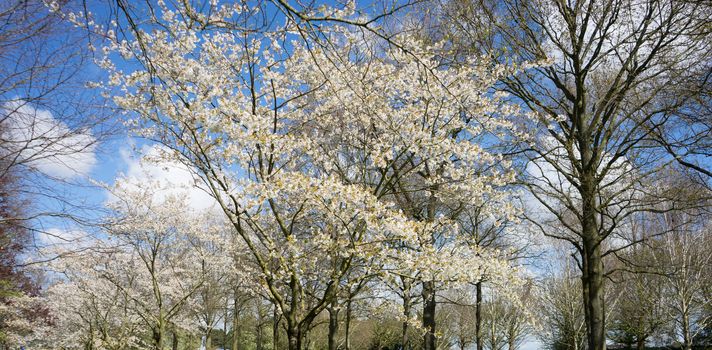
(505, 324)
(639, 313)
(50, 124)
(46, 138)
(561, 312)
(610, 75)
(462, 322)
(685, 259)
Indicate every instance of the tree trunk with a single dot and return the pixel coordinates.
(157, 340)
(158, 336)
(209, 339)
(306, 341)
(294, 337)
(429, 315)
(492, 336)
(479, 342)
(275, 328)
(347, 325)
(511, 333)
(224, 337)
(89, 345)
(235, 325)
(235, 328)
(592, 279)
(406, 313)
(259, 338)
(333, 324)
(592, 265)
(686, 338)
(640, 344)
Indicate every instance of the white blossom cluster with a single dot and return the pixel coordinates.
(331, 159)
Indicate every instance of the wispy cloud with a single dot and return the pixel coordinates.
(165, 177)
(35, 138)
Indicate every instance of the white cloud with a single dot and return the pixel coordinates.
(167, 177)
(35, 138)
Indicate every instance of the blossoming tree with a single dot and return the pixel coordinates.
(323, 152)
